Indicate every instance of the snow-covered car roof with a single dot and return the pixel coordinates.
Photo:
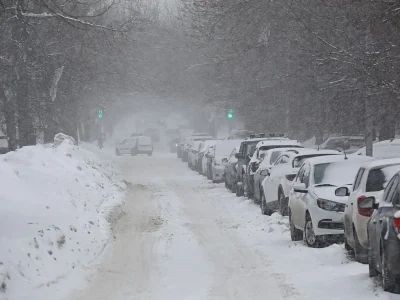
(224, 148)
(383, 149)
(206, 144)
(339, 158)
(309, 151)
(381, 163)
(269, 153)
(278, 142)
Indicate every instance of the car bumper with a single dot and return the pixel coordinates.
(218, 172)
(361, 224)
(392, 247)
(327, 222)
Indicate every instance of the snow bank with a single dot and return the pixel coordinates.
(54, 206)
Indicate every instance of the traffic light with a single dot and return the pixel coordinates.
(100, 114)
(230, 113)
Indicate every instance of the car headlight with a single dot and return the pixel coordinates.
(330, 205)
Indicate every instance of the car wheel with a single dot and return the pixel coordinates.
(234, 188)
(388, 282)
(371, 264)
(310, 238)
(360, 253)
(283, 208)
(264, 207)
(117, 153)
(295, 234)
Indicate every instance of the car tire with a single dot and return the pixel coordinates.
(263, 205)
(388, 281)
(234, 187)
(295, 234)
(360, 253)
(239, 190)
(310, 238)
(283, 208)
(117, 153)
(371, 264)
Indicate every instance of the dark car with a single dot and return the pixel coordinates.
(230, 172)
(154, 133)
(383, 235)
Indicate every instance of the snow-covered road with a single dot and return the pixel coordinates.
(183, 238)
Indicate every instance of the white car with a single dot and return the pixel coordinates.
(193, 153)
(204, 161)
(259, 154)
(269, 159)
(204, 145)
(371, 180)
(134, 146)
(383, 149)
(313, 206)
(275, 187)
(219, 159)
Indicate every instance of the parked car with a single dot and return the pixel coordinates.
(134, 146)
(192, 153)
(189, 141)
(350, 144)
(173, 145)
(250, 166)
(276, 185)
(219, 158)
(262, 171)
(153, 133)
(383, 235)
(230, 170)
(204, 163)
(383, 149)
(204, 145)
(313, 206)
(371, 180)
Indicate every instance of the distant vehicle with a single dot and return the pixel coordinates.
(135, 146)
(154, 133)
(268, 161)
(383, 149)
(204, 162)
(173, 144)
(350, 144)
(4, 145)
(371, 180)
(172, 134)
(193, 153)
(383, 235)
(238, 134)
(230, 171)
(313, 206)
(136, 134)
(275, 187)
(219, 159)
(256, 146)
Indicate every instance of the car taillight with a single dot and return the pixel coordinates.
(396, 224)
(290, 177)
(366, 212)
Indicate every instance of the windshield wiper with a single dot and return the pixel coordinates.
(324, 184)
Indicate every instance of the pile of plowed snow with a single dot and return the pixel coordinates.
(54, 204)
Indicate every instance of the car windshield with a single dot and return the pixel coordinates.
(336, 173)
(274, 156)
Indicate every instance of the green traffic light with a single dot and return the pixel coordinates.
(230, 115)
(100, 114)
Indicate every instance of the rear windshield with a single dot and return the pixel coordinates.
(274, 157)
(144, 140)
(298, 161)
(379, 178)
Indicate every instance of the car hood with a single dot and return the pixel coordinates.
(328, 193)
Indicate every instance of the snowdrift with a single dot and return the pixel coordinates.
(54, 204)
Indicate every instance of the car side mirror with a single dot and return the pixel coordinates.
(265, 172)
(368, 203)
(342, 191)
(238, 155)
(225, 160)
(300, 188)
